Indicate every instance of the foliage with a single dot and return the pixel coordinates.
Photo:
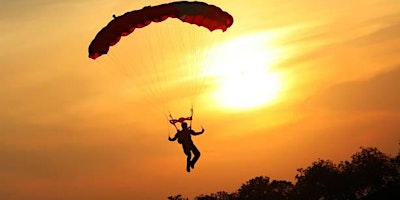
(222, 195)
(369, 171)
(261, 188)
(322, 180)
(369, 175)
(177, 197)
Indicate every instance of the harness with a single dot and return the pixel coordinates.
(181, 119)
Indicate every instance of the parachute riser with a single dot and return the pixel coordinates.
(181, 119)
(171, 121)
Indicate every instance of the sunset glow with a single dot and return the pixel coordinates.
(242, 69)
(286, 84)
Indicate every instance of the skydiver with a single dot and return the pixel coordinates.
(184, 137)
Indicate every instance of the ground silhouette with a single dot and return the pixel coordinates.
(369, 175)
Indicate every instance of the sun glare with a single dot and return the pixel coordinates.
(242, 69)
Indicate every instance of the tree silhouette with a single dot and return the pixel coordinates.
(322, 180)
(261, 188)
(177, 197)
(369, 171)
(222, 195)
(279, 190)
(369, 175)
(391, 190)
(254, 189)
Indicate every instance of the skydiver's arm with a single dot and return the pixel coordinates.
(198, 133)
(174, 138)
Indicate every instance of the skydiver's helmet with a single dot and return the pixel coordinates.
(184, 125)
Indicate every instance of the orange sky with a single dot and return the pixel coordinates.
(76, 128)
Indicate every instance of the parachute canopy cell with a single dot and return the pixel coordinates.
(198, 13)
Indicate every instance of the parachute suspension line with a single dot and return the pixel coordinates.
(157, 73)
(182, 51)
(191, 48)
(179, 45)
(132, 73)
(191, 117)
(185, 36)
(128, 76)
(204, 45)
(168, 118)
(171, 119)
(195, 44)
(168, 47)
(204, 40)
(199, 40)
(212, 40)
(185, 51)
(169, 52)
(122, 68)
(194, 59)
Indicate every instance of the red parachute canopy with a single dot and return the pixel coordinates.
(199, 13)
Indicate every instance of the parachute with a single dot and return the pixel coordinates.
(198, 13)
(172, 43)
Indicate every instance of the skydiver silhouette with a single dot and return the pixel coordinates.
(184, 137)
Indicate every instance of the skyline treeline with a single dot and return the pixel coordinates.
(369, 175)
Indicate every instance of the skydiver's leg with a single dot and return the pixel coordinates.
(188, 158)
(196, 153)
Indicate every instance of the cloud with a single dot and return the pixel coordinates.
(388, 32)
(72, 151)
(381, 92)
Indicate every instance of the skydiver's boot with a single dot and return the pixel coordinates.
(192, 165)
(188, 164)
(188, 168)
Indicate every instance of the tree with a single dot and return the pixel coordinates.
(261, 188)
(369, 175)
(322, 180)
(177, 197)
(222, 195)
(254, 189)
(279, 190)
(369, 170)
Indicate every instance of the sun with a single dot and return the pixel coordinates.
(242, 70)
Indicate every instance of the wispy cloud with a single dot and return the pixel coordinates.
(381, 92)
